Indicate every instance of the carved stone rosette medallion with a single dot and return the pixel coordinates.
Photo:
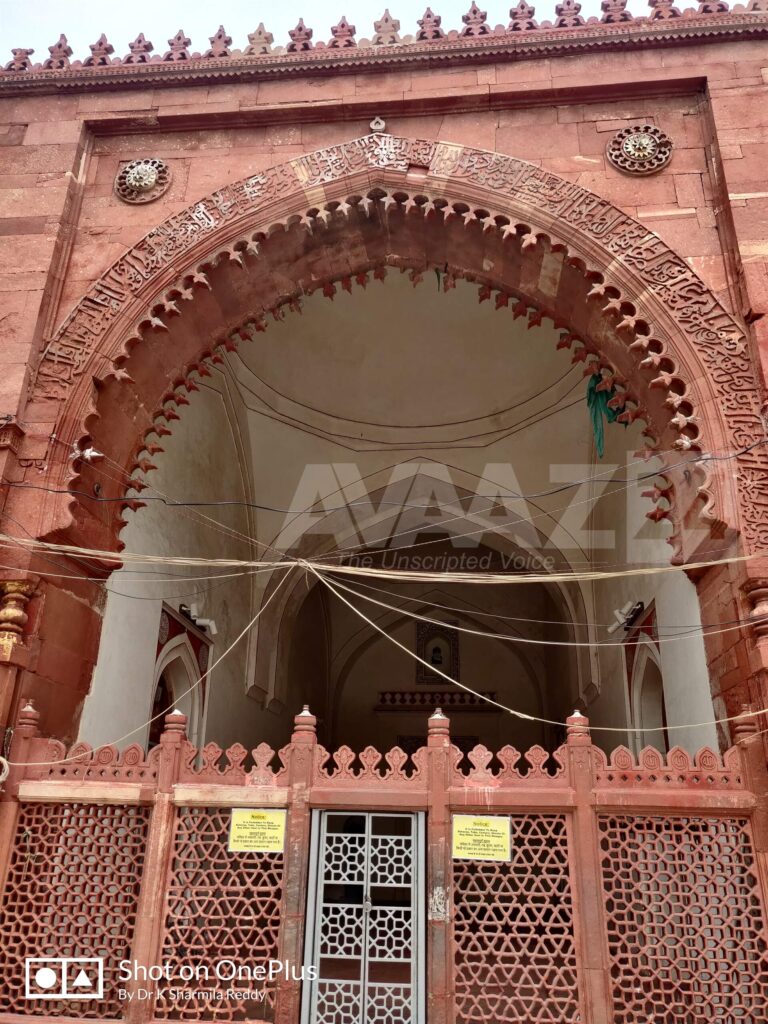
(142, 181)
(639, 149)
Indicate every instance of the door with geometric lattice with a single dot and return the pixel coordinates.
(365, 920)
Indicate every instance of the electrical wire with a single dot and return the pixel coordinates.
(222, 503)
(407, 575)
(522, 521)
(369, 423)
(523, 424)
(503, 707)
(31, 537)
(5, 764)
(125, 480)
(417, 576)
(145, 582)
(198, 592)
(127, 557)
(504, 433)
(689, 631)
(529, 640)
(548, 622)
(308, 565)
(238, 534)
(186, 596)
(482, 531)
(340, 553)
(236, 382)
(191, 513)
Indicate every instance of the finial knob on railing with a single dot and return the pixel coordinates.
(438, 728)
(304, 726)
(577, 728)
(175, 722)
(28, 719)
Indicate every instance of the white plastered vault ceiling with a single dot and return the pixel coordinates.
(432, 385)
(401, 366)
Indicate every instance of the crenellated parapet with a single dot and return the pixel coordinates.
(431, 42)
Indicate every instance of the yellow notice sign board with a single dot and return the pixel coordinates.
(476, 837)
(256, 831)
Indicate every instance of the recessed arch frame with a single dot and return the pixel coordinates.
(647, 654)
(270, 639)
(362, 641)
(207, 279)
(178, 658)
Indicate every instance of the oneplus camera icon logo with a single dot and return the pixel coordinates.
(64, 977)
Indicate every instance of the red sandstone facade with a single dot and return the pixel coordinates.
(491, 163)
(673, 265)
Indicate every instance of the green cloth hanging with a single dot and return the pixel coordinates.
(600, 411)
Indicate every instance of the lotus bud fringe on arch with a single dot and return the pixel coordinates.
(244, 250)
(670, 424)
(527, 240)
(475, 29)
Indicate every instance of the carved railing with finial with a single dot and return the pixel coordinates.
(430, 42)
(600, 846)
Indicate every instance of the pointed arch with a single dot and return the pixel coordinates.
(205, 281)
(177, 663)
(647, 690)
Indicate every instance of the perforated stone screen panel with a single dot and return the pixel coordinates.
(72, 891)
(221, 906)
(514, 930)
(686, 931)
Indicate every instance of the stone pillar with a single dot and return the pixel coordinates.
(296, 863)
(440, 947)
(586, 878)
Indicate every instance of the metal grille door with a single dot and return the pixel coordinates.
(364, 921)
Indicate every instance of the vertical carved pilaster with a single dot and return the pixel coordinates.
(26, 731)
(586, 872)
(159, 852)
(300, 765)
(440, 942)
